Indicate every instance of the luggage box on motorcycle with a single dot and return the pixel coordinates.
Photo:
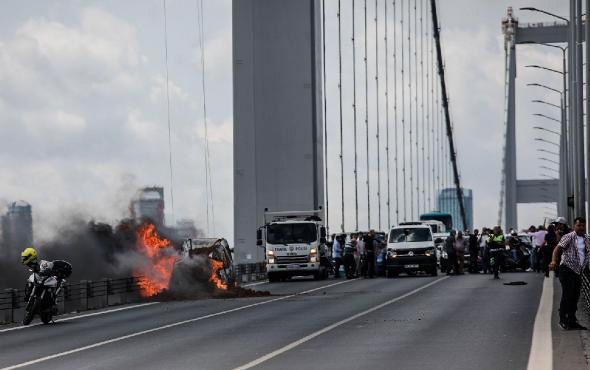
(62, 269)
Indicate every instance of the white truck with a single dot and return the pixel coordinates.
(295, 245)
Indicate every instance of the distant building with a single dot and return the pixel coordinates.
(448, 203)
(186, 229)
(17, 229)
(149, 204)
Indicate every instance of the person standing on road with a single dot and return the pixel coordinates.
(484, 250)
(538, 241)
(337, 255)
(460, 245)
(574, 248)
(497, 245)
(547, 249)
(361, 256)
(451, 253)
(370, 253)
(473, 252)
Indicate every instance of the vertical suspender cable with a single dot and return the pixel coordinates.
(412, 201)
(377, 113)
(367, 124)
(327, 193)
(417, 118)
(354, 114)
(428, 121)
(208, 180)
(404, 182)
(423, 123)
(340, 116)
(395, 161)
(387, 116)
(168, 109)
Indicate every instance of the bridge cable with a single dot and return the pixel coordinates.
(367, 123)
(396, 159)
(377, 112)
(428, 118)
(404, 174)
(387, 116)
(417, 118)
(168, 110)
(326, 191)
(208, 172)
(340, 115)
(412, 201)
(423, 123)
(354, 114)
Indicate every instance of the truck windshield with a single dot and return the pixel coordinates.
(410, 235)
(291, 233)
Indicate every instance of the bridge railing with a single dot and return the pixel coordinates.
(89, 295)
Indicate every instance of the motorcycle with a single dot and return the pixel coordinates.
(42, 293)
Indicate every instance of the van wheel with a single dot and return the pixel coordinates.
(434, 272)
(391, 274)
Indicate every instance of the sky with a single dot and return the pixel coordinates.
(83, 112)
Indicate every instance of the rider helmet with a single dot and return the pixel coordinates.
(28, 256)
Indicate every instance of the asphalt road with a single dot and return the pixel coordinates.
(459, 322)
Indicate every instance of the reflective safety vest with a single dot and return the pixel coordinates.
(497, 243)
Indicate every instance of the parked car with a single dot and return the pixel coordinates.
(411, 248)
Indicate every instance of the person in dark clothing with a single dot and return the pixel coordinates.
(497, 245)
(473, 252)
(452, 262)
(548, 247)
(574, 248)
(348, 258)
(369, 240)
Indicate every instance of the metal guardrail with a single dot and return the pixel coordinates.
(88, 294)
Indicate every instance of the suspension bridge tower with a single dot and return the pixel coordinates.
(278, 162)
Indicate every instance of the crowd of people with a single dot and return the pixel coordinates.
(357, 253)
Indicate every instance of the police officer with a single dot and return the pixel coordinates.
(497, 245)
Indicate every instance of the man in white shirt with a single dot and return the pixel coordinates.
(538, 241)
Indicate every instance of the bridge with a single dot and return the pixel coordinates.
(343, 108)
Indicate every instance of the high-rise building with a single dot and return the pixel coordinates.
(17, 229)
(149, 204)
(448, 203)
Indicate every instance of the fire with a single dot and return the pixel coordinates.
(216, 266)
(155, 276)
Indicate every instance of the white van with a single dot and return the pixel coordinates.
(410, 248)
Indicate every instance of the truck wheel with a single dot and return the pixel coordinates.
(434, 271)
(317, 275)
(273, 278)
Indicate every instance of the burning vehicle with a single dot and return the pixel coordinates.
(205, 264)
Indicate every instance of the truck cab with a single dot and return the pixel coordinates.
(295, 245)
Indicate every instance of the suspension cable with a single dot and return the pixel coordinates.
(326, 192)
(412, 202)
(423, 122)
(208, 172)
(367, 123)
(416, 119)
(168, 109)
(340, 116)
(395, 115)
(404, 174)
(354, 114)
(387, 116)
(428, 122)
(377, 112)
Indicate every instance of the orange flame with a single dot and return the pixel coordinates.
(155, 276)
(216, 266)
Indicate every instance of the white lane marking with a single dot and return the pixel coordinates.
(541, 355)
(118, 339)
(254, 284)
(85, 315)
(296, 343)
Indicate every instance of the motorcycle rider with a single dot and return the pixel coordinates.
(42, 267)
(497, 245)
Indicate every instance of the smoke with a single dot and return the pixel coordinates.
(96, 250)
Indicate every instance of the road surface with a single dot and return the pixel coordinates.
(459, 322)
